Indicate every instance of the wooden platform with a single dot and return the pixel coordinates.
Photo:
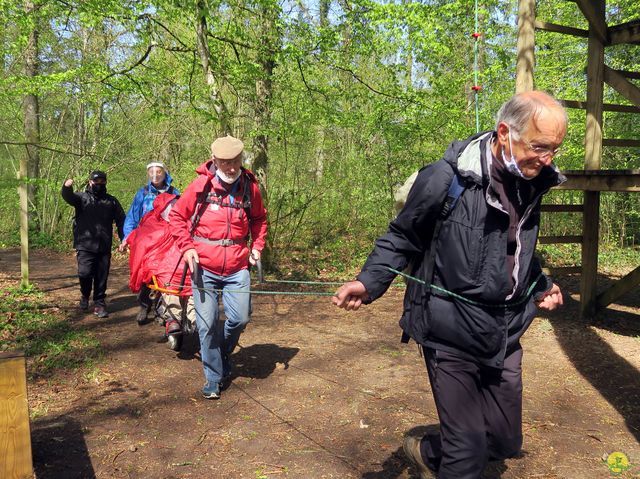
(602, 180)
(15, 436)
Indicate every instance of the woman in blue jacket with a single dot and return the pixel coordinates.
(159, 181)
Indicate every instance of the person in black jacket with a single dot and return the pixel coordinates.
(96, 211)
(483, 282)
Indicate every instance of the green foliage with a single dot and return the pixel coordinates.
(350, 104)
(48, 340)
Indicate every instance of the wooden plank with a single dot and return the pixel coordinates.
(553, 27)
(625, 33)
(622, 85)
(15, 437)
(562, 270)
(621, 142)
(589, 276)
(11, 354)
(562, 208)
(593, 10)
(525, 59)
(613, 173)
(620, 287)
(595, 88)
(563, 239)
(581, 105)
(628, 74)
(602, 180)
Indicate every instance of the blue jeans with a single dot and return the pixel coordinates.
(218, 340)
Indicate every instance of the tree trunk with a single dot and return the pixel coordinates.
(266, 58)
(30, 105)
(202, 31)
(30, 162)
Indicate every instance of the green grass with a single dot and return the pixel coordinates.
(50, 342)
(611, 259)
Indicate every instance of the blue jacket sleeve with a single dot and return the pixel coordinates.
(134, 215)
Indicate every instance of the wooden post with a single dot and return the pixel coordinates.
(15, 438)
(526, 45)
(592, 161)
(23, 194)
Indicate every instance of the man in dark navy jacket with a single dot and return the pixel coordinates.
(96, 211)
(483, 281)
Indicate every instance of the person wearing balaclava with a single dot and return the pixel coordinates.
(220, 226)
(158, 181)
(95, 213)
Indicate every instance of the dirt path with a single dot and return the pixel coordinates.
(318, 393)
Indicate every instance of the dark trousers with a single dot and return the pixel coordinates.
(93, 272)
(144, 298)
(480, 412)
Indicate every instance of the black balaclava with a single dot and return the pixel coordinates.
(98, 190)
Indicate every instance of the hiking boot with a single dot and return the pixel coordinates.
(172, 327)
(411, 447)
(211, 391)
(141, 317)
(84, 304)
(100, 311)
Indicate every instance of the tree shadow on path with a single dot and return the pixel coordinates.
(615, 378)
(54, 442)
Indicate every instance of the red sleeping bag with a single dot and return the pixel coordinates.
(153, 252)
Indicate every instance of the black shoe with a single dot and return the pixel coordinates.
(226, 381)
(84, 304)
(141, 317)
(227, 369)
(411, 447)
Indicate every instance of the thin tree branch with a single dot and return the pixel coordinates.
(127, 70)
(304, 80)
(166, 29)
(361, 81)
(231, 42)
(38, 145)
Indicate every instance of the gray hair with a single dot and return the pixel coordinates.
(520, 109)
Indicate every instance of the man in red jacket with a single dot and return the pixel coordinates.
(220, 225)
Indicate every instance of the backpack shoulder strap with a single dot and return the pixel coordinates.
(201, 205)
(246, 196)
(456, 188)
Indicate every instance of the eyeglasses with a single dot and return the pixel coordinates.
(541, 151)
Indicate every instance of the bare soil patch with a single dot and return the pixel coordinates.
(317, 393)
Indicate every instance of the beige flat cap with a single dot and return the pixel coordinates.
(226, 148)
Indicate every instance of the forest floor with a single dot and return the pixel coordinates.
(317, 392)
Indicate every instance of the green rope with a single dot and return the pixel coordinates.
(317, 283)
(252, 291)
(283, 293)
(522, 300)
(290, 281)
